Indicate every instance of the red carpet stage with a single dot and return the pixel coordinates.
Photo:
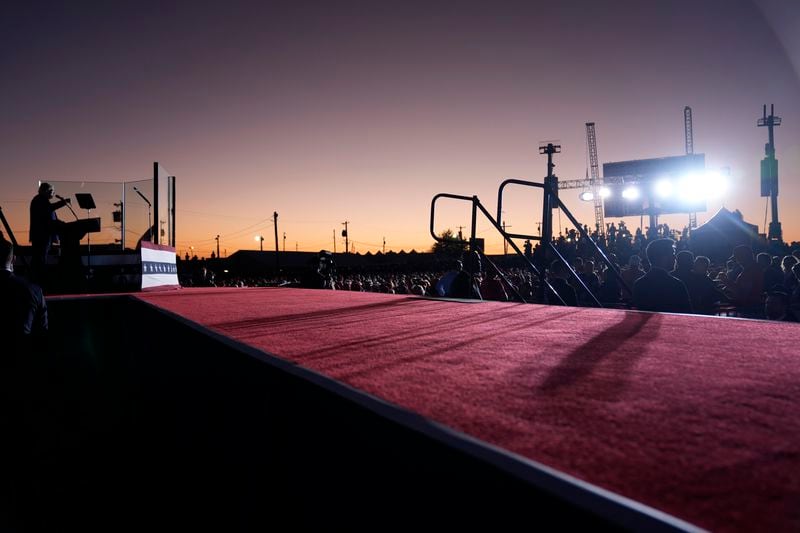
(695, 416)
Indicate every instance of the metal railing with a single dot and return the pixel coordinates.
(550, 202)
(551, 197)
(476, 205)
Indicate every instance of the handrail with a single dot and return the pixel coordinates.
(433, 210)
(545, 245)
(476, 204)
(500, 204)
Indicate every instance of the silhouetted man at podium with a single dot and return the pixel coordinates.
(43, 229)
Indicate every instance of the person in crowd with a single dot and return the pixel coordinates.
(444, 283)
(417, 289)
(772, 275)
(633, 272)
(321, 272)
(776, 307)
(657, 290)
(684, 263)
(43, 228)
(492, 288)
(703, 292)
(557, 276)
(463, 281)
(466, 283)
(746, 289)
(23, 310)
(610, 289)
(589, 276)
(203, 277)
(794, 300)
(789, 281)
(732, 269)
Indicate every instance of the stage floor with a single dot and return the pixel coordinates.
(695, 416)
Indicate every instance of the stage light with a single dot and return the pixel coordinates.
(587, 196)
(664, 188)
(630, 193)
(604, 192)
(691, 188)
(715, 184)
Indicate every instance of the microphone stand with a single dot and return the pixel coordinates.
(149, 207)
(68, 204)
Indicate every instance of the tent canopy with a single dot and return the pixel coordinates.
(725, 230)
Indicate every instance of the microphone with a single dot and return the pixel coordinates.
(135, 189)
(59, 197)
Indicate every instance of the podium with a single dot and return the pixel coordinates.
(70, 265)
(71, 233)
(78, 229)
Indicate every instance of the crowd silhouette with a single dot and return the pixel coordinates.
(657, 272)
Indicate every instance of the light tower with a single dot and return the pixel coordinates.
(597, 182)
(688, 136)
(769, 172)
(687, 130)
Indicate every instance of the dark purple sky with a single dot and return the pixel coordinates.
(363, 111)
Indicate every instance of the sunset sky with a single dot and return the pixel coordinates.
(362, 111)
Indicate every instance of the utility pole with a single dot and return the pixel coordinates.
(384, 245)
(334, 242)
(346, 237)
(284, 241)
(460, 234)
(277, 259)
(505, 241)
(217, 238)
(769, 173)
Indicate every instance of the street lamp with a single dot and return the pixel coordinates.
(260, 239)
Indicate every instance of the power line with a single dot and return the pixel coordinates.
(183, 211)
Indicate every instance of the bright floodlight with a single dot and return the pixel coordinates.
(691, 188)
(258, 238)
(605, 192)
(714, 184)
(664, 188)
(630, 193)
(587, 196)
